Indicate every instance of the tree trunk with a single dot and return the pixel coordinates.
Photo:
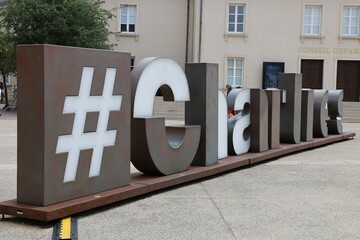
(5, 92)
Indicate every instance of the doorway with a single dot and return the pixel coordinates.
(312, 73)
(348, 79)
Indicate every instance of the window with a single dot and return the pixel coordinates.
(236, 18)
(128, 18)
(350, 21)
(235, 71)
(312, 20)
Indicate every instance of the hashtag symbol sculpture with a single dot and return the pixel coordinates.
(79, 140)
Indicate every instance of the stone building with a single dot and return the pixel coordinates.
(251, 40)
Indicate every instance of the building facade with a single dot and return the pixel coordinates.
(250, 40)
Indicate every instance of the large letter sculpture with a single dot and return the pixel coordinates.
(78, 139)
(320, 113)
(259, 121)
(222, 125)
(274, 98)
(238, 125)
(290, 111)
(156, 149)
(203, 109)
(307, 114)
(77, 102)
(335, 111)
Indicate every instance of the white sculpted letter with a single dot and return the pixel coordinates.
(238, 125)
(222, 126)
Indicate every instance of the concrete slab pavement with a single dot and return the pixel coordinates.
(309, 195)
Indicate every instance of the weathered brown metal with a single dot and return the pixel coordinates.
(160, 150)
(290, 114)
(46, 76)
(307, 114)
(259, 121)
(142, 184)
(274, 99)
(203, 109)
(70, 207)
(157, 149)
(334, 126)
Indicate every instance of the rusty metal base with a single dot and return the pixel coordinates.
(142, 184)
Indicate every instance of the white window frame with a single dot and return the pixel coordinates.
(236, 32)
(127, 31)
(233, 69)
(237, 14)
(311, 35)
(312, 16)
(351, 22)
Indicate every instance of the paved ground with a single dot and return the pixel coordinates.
(310, 195)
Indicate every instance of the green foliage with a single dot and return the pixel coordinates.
(7, 60)
(79, 23)
(7, 54)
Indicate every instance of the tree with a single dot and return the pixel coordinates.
(78, 23)
(7, 60)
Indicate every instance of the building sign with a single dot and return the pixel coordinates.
(327, 50)
(83, 117)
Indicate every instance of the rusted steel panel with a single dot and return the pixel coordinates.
(202, 109)
(273, 96)
(259, 121)
(47, 75)
(290, 114)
